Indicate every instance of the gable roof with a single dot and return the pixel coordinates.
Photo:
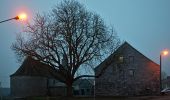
(31, 67)
(103, 65)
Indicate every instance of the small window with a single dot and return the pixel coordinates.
(120, 69)
(131, 72)
(131, 59)
(121, 59)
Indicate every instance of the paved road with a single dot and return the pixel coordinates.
(135, 98)
(150, 98)
(161, 98)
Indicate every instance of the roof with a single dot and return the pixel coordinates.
(31, 67)
(103, 65)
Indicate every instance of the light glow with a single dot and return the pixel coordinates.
(165, 52)
(22, 16)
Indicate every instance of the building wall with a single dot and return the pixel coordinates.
(56, 88)
(58, 91)
(84, 88)
(22, 86)
(136, 75)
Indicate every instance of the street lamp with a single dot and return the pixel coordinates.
(163, 53)
(21, 16)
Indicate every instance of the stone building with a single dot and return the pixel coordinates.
(127, 72)
(35, 79)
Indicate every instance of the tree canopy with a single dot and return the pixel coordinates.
(68, 38)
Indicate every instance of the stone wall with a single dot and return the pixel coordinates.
(23, 86)
(58, 91)
(135, 75)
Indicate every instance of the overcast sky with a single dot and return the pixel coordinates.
(145, 24)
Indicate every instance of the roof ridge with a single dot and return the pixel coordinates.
(32, 67)
(141, 53)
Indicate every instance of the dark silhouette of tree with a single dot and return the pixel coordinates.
(68, 38)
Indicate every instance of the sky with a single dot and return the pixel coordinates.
(145, 24)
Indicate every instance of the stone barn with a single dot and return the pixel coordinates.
(127, 72)
(34, 78)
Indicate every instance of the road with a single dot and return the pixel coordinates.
(167, 97)
(97, 98)
(161, 98)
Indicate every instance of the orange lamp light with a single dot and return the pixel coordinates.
(21, 16)
(165, 52)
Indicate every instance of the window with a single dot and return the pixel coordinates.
(131, 72)
(121, 59)
(131, 59)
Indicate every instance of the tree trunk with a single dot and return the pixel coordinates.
(69, 90)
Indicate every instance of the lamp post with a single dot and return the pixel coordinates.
(16, 18)
(163, 53)
(22, 16)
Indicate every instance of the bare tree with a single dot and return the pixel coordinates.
(67, 39)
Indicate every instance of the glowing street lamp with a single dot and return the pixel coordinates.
(21, 16)
(163, 53)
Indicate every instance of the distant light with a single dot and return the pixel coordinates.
(165, 52)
